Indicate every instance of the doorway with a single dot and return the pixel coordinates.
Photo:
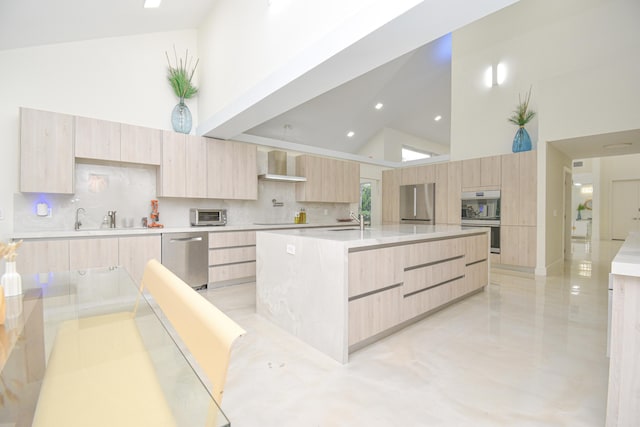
(567, 214)
(370, 202)
(625, 208)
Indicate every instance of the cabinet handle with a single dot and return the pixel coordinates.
(186, 239)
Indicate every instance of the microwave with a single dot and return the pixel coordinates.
(203, 217)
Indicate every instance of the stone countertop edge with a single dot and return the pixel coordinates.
(61, 234)
(627, 260)
(382, 235)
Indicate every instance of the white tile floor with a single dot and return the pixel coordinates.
(526, 352)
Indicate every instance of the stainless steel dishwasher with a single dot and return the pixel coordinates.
(187, 256)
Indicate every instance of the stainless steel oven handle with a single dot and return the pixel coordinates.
(186, 239)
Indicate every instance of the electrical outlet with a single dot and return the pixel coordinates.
(291, 249)
(326, 212)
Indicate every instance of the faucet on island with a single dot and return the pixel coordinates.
(359, 219)
(78, 223)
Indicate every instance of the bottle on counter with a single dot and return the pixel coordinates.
(303, 216)
(296, 217)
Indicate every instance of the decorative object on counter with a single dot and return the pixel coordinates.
(11, 280)
(180, 79)
(521, 116)
(580, 208)
(155, 215)
(144, 221)
(303, 216)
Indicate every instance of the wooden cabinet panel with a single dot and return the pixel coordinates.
(519, 189)
(93, 253)
(422, 302)
(43, 256)
(373, 314)
(196, 167)
(328, 180)
(425, 174)
(233, 172)
(490, 172)
(518, 245)
(442, 196)
(476, 277)
(409, 176)
(374, 269)
(428, 252)
(391, 196)
(454, 192)
(227, 239)
(432, 275)
(140, 145)
(232, 255)
(97, 139)
(135, 251)
(46, 152)
(481, 173)
(477, 248)
(232, 271)
(172, 177)
(470, 174)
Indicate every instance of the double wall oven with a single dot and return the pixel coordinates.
(482, 209)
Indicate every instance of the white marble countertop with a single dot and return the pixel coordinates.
(627, 261)
(121, 231)
(381, 235)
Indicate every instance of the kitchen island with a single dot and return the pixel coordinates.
(341, 289)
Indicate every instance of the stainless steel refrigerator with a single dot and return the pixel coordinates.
(417, 203)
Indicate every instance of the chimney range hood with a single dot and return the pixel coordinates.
(277, 168)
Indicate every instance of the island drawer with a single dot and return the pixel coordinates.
(374, 313)
(228, 239)
(476, 248)
(374, 269)
(419, 303)
(232, 271)
(417, 279)
(231, 255)
(429, 252)
(476, 277)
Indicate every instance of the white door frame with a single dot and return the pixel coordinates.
(566, 213)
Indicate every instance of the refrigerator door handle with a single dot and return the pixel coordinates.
(415, 203)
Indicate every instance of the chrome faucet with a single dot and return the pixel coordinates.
(78, 223)
(112, 219)
(359, 219)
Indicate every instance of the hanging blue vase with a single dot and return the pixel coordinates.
(522, 141)
(181, 118)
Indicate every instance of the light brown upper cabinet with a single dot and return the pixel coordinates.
(183, 171)
(232, 170)
(519, 189)
(140, 144)
(97, 139)
(104, 140)
(454, 192)
(46, 152)
(328, 180)
(482, 173)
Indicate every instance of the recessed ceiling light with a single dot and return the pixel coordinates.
(437, 118)
(379, 105)
(619, 145)
(151, 4)
(350, 134)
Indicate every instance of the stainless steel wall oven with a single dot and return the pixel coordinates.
(482, 209)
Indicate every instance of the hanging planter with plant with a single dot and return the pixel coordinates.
(521, 116)
(180, 77)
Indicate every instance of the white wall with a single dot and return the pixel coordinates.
(243, 42)
(121, 79)
(580, 57)
(614, 168)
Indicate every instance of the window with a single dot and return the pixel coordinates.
(410, 153)
(365, 201)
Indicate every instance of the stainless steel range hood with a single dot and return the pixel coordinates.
(277, 168)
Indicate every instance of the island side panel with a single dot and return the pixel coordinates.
(304, 293)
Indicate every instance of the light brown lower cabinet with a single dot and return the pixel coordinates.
(43, 256)
(93, 253)
(392, 285)
(518, 245)
(135, 251)
(232, 255)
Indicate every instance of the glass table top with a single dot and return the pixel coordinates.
(87, 348)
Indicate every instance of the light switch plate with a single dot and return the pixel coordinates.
(291, 249)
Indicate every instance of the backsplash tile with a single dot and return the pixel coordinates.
(129, 189)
